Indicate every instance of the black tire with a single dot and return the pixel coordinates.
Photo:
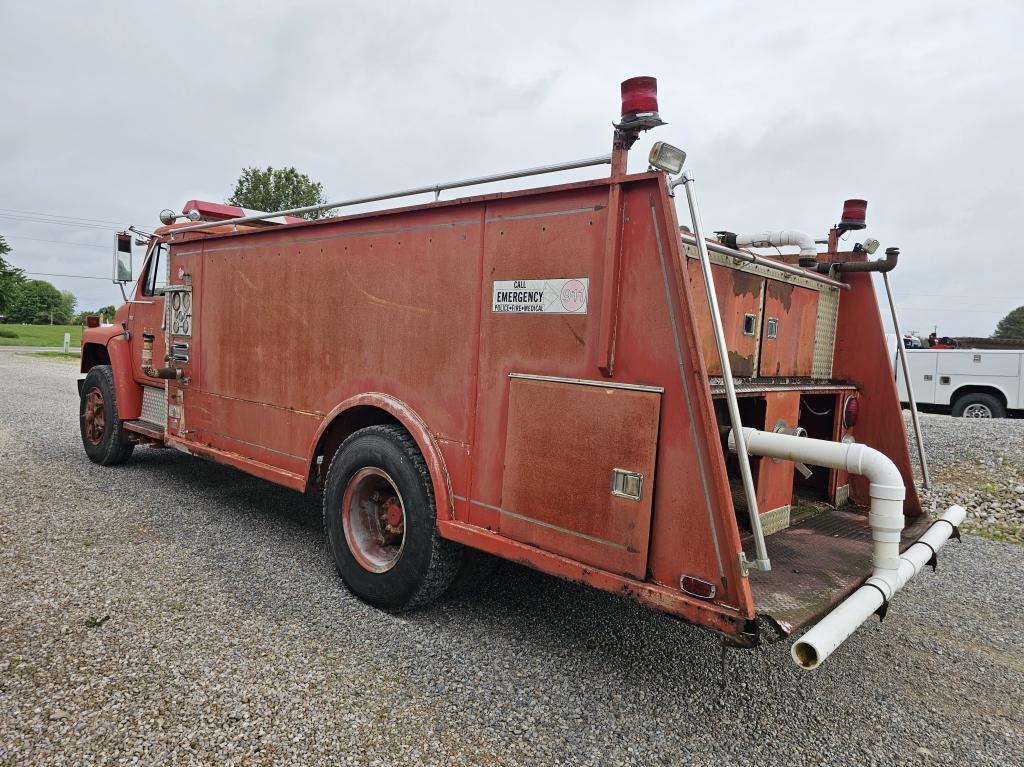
(476, 573)
(422, 566)
(976, 402)
(111, 444)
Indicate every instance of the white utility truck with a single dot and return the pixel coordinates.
(971, 383)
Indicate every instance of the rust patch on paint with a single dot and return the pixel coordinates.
(744, 284)
(781, 292)
(741, 365)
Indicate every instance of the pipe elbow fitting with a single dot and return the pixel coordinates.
(767, 239)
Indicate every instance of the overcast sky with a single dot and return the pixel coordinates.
(112, 111)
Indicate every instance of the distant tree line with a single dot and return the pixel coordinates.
(1012, 325)
(33, 302)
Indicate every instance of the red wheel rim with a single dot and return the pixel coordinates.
(373, 518)
(95, 420)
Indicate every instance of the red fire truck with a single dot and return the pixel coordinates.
(561, 376)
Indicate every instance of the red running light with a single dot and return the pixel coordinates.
(855, 214)
(851, 412)
(696, 587)
(92, 321)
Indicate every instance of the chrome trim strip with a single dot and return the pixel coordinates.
(546, 214)
(576, 533)
(588, 382)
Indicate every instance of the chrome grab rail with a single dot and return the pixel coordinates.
(762, 562)
(752, 258)
(435, 188)
(901, 351)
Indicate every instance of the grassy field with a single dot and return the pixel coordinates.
(39, 335)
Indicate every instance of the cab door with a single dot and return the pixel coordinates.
(146, 312)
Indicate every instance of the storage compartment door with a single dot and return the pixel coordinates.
(787, 336)
(739, 301)
(579, 471)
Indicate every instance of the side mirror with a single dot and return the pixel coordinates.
(123, 258)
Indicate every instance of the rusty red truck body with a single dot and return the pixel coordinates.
(532, 375)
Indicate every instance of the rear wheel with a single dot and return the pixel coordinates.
(978, 405)
(103, 435)
(380, 521)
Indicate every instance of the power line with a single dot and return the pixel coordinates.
(75, 276)
(59, 215)
(975, 298)
(947, 309)
(76, 225)
(60, 242)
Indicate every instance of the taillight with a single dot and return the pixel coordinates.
(851, 411)
(696, 587)
(92, 321)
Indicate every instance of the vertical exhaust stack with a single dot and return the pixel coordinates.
(892, 569)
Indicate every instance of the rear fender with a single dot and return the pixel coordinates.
(415, 425)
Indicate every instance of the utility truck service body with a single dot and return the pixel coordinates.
(972, 383)
(539, 375)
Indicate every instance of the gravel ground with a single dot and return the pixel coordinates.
(173, 611)
(978, 464)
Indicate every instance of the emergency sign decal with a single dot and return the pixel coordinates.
(568, 296)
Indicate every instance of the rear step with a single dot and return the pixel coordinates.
(146, 429)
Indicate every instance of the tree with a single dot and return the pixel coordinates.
(10, 278)
(67, 307)
(106, 312)
(38, 302)
(278, 189)
(1012, 325)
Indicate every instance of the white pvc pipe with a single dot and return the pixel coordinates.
(779, 239)
(891, 569)
(832, 630)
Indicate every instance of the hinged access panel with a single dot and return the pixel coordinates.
(579, 470)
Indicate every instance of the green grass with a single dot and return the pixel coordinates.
(39, 335)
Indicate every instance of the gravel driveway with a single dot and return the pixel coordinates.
(175, 611)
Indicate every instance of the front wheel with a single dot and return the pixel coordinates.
(103, 435)
(380, 521)
(978, 405)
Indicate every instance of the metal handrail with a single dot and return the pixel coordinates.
(435, 188)
(762, 562)
(901, 352)
(752, 258)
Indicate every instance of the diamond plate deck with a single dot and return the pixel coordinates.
(815, 564)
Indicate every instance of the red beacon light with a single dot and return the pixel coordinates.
(855, 213)
(640, 104)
